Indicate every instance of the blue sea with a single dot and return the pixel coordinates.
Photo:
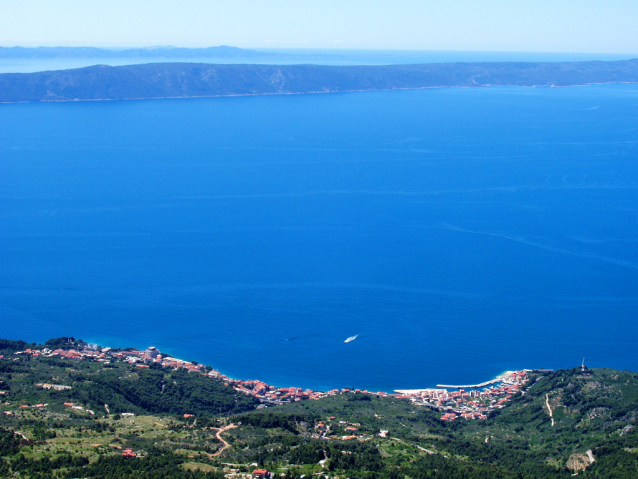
(458, 232)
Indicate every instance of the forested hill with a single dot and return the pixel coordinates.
(183, 80)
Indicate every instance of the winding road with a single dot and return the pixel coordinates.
(222, 440)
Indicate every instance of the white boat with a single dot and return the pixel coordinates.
(351, 338)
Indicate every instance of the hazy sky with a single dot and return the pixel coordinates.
(597, 26)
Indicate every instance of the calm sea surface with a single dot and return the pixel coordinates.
(458, 232)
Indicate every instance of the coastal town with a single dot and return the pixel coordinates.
(465, 402)
(472, 401)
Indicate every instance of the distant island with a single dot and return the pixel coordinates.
(190, 80)
(222, 51)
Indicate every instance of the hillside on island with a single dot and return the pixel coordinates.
(75, 410)
(184, 80)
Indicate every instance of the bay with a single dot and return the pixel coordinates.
(458, 232)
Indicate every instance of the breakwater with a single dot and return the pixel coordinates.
(470, 386)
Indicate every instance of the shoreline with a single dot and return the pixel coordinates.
(390, 390)
(475, 403)
(234, 95)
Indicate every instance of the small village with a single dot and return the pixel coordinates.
(473, 403)
(464, 402)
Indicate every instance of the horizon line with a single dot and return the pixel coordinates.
(332, 48)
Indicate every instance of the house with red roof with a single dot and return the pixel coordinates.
(129, 453)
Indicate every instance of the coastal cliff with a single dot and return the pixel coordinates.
(187, 80)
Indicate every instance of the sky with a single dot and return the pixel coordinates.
(588, 26)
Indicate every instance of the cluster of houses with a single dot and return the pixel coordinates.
(78, 407)
(55, 387)
(63, 353)
(473, 403)
(275, 395)
(343, 430)
(106, 355)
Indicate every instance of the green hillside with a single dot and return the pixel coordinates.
(64, 418)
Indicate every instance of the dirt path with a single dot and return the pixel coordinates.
(551, 413)
(415, 445)
(222, 440)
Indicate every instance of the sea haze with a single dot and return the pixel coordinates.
(307, 56)
(458, 232)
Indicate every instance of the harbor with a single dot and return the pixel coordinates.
(472, 401)
(470, 386)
